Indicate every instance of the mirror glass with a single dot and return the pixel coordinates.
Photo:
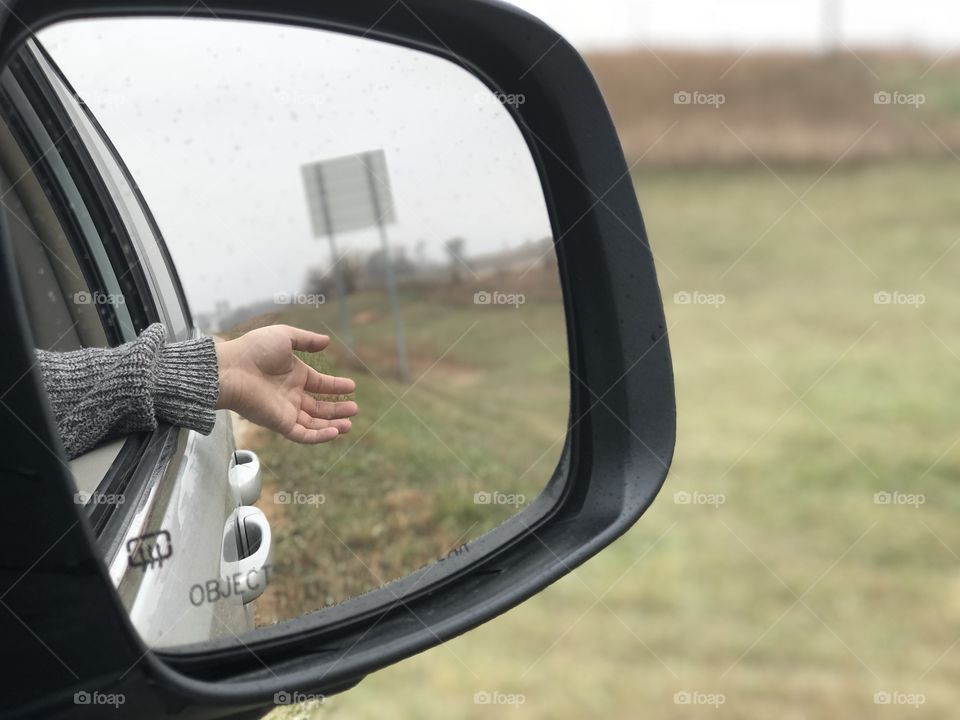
(374, 193)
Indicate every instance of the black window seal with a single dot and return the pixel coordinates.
(115, 483)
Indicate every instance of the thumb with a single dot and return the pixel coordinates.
(306, 341)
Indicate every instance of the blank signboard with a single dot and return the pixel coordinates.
(348, 193)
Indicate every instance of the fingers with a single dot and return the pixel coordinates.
(310, 422)
(328, 384)
(343, 425)
(328, 410)
(306, 436)
(306, 341)
(311, 431)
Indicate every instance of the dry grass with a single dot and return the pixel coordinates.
(784, 108)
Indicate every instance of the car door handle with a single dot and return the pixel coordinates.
(245, 568)
(244, 477)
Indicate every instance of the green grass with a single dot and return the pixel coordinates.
(799, 597)
(484, 411)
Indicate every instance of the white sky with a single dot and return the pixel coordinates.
(215, 118)
(744, 23)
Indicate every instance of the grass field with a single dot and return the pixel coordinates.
(484, 412)
(799, 398)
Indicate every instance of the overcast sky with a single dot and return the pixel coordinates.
(216, 118)
(746, 23)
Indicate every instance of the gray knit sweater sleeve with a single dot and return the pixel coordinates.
(98, 393)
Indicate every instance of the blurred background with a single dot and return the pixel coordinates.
(797, 166)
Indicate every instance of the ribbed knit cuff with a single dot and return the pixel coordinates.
(187, 384)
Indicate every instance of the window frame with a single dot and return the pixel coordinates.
(123, 267)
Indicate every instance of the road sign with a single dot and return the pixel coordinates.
(341, 196)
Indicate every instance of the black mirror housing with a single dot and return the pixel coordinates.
(618, 449)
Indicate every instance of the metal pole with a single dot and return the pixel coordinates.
(391, 281)
(341, 296)
(337, 271)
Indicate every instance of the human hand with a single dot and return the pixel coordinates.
(262, 380)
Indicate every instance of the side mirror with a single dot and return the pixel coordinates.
(615, 456)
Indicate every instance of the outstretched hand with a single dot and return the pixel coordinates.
(262, 380)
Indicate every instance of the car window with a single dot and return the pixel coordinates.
(56, 296)
(55, 217)
(138, 223)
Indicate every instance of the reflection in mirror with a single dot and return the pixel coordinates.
(377, 194)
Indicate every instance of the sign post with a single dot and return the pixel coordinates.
(353, 193)
(335, 264)
(372, 180)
